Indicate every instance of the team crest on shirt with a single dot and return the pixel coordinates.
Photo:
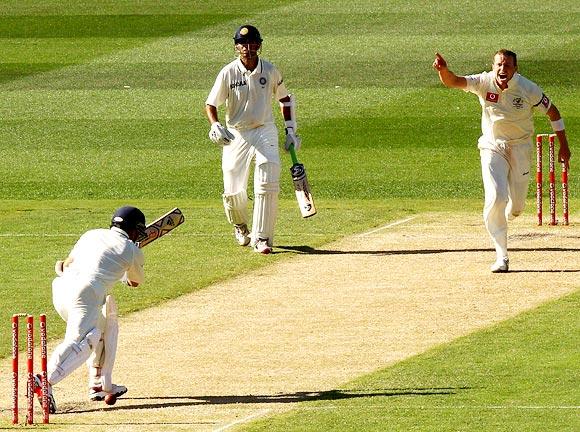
(492, 97)
(263, 81)
(518, 103)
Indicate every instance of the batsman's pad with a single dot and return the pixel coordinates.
(69, 355)
(302, 189)
(158, 228)
(236, 207)
(265, 213)
(102, 360)
(266, 188)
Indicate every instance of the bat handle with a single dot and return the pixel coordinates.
(293, 153)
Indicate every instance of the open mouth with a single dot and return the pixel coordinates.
(502, 76)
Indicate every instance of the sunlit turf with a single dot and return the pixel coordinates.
(102, 105)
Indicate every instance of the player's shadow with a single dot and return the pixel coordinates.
(308, 250)
(155, 402)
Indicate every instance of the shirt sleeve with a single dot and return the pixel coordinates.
(474, 83)
(544, 104)
(280, 90)
(136, 272)
(218, 93)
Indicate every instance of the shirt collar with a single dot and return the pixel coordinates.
(120, 231)
(246, 71)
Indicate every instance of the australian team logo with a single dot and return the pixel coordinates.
(518, 103)
(492, 97)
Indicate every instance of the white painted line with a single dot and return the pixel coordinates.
(448, 407)
(246, 419)
(392, 224)
(8, 235)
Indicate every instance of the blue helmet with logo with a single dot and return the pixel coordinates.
(128, 219)
(247, 34)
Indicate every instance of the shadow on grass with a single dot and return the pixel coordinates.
(155, 402)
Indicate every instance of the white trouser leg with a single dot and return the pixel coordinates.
(495, 170)
(518, 179)
(79, 305)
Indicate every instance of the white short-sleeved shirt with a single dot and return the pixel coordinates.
(507, 117)
(247, 95)
(101, 257)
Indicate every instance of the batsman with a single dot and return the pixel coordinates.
(247, 86)
(99, 259)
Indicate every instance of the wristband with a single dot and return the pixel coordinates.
(557, 125)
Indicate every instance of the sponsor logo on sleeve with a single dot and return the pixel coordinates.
(492, 97)
(545, 101)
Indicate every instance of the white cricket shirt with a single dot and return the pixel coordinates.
(102, 256)
(507, 116)
(247, 94)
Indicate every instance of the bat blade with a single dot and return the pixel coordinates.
(302, 189)
(158, 228)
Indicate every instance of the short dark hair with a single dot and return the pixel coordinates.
(507, 53)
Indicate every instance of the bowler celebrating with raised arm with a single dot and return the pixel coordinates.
(507, 100)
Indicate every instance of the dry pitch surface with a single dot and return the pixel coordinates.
(245, 348)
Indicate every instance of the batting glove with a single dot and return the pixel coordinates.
(220, 135)
(292, 138)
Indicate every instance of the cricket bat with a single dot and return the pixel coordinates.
(158, 228)
(301, 186)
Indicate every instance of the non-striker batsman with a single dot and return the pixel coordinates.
(247, 86)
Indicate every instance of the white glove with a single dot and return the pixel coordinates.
(219, 134)
(292, 138)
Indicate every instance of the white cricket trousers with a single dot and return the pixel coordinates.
(257, 146)
(506, 176)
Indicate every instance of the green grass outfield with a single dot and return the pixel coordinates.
(102, 105)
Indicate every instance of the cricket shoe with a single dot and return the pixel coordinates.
(502, 265)
(98, 394)
(38, 393)
(242, 234)
(261, 246)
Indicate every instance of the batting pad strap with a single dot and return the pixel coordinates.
(557, 125)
